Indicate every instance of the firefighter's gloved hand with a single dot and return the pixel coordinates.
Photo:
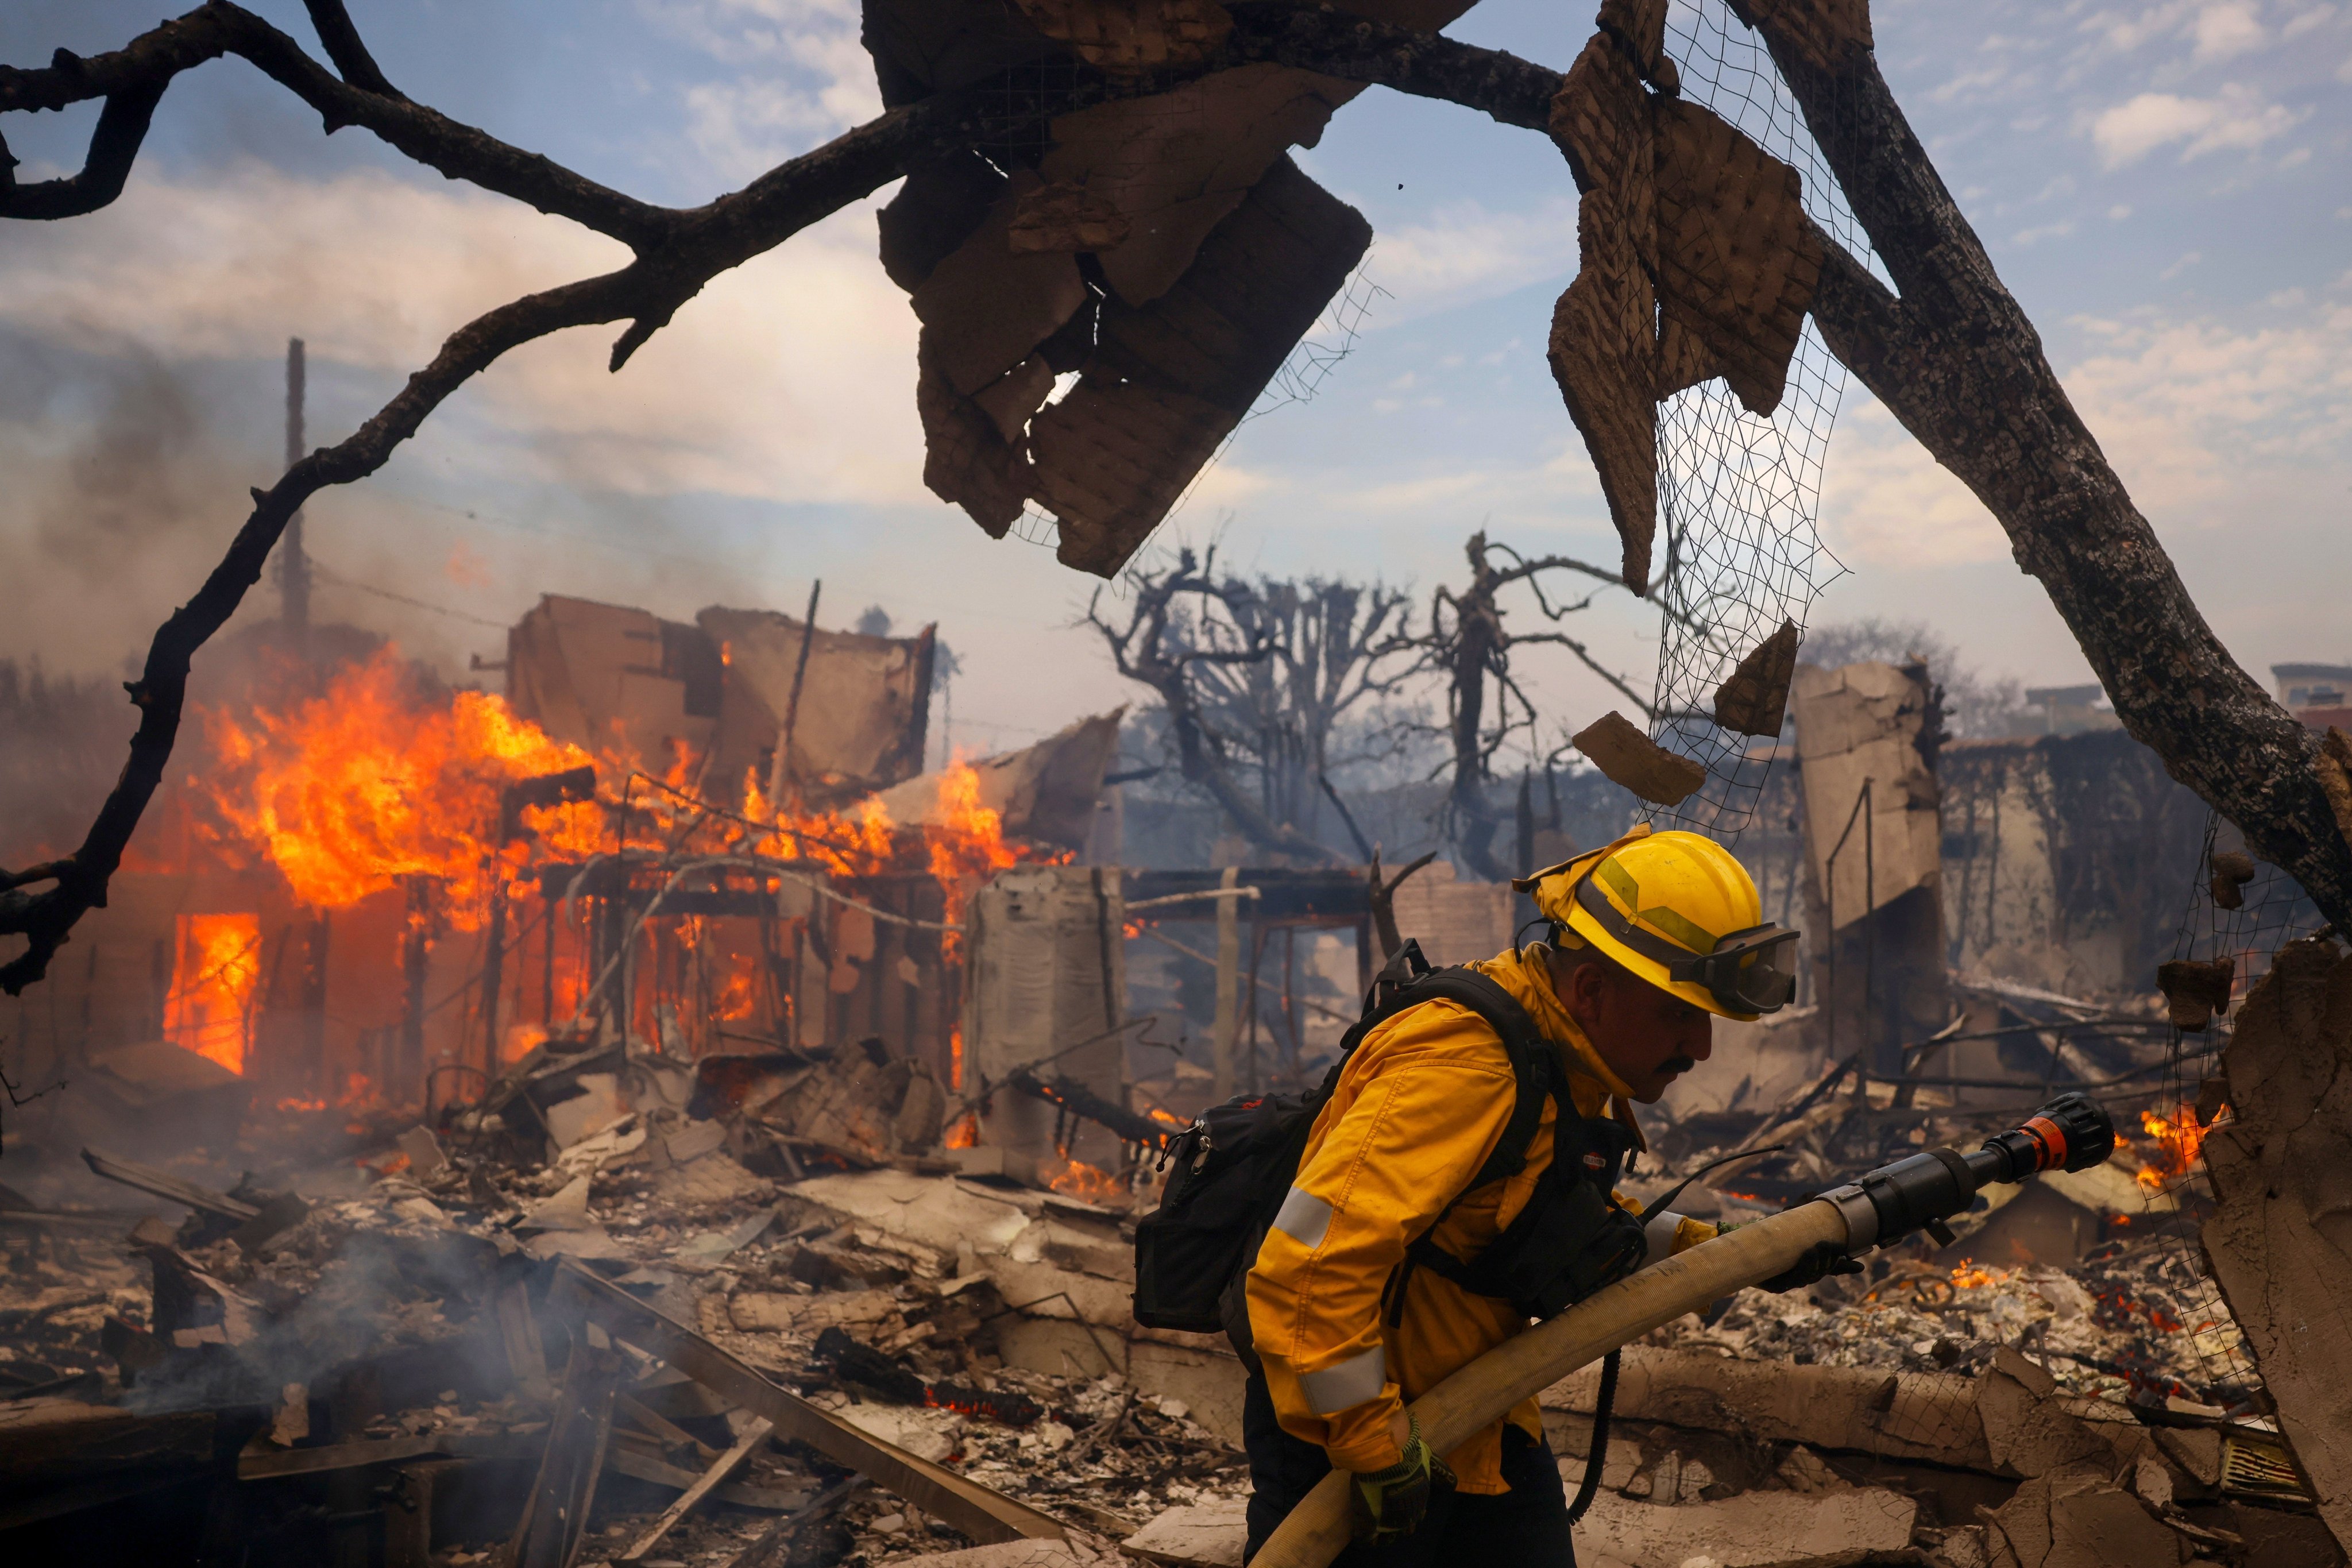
(1385, 1504)
(1817, 1263)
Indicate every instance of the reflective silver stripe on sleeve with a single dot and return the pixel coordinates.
(1352, 1382)
(1303, 1217)
(1660, 1234)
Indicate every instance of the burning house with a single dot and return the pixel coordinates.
(700, 838)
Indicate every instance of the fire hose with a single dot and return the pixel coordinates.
(1918, 1193)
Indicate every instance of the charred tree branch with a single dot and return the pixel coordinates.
(1957, 359)
(646, 293)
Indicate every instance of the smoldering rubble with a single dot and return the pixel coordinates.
(756, 1313)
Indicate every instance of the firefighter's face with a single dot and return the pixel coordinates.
(1648, 1036)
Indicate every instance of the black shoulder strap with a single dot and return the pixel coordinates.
(1530, 1054)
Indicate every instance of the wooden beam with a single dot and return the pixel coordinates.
(721, 1470)
(980, 1512)
(165, 1185)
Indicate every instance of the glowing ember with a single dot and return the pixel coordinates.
(965, 1134)
(2178, 1142)
(1090, 1184)
(1968, 1276)
(210, 1008)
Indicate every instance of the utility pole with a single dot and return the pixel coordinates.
(293, 562)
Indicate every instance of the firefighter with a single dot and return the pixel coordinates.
(1651, 937)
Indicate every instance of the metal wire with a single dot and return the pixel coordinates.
(1739, 493)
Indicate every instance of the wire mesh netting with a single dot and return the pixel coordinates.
(1739, 493)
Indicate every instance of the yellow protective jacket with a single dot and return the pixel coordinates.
(1419, 1108)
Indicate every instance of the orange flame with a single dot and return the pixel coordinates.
(740, 996)
(2178, 1141)
(209, 1010)
(373, 781)
(848, 847)
(1088, 1184)
(1967, 1276)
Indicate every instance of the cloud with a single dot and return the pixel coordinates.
(2184, 408)
(1471, 253)
(2239, 118)
(790, 378)
(2190, 414)
(2303, 22)
(2225, 31)
(2059, 230)
(1886, 504)
(795, 75)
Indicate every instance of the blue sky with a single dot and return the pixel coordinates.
(2167, 187)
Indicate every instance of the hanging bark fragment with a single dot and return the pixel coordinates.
(2232, 871)
(2196, 991)
(1755, 700)
(1632, 759)
(1736, 262)
(1694, 260)
(1604, 340)
(1130, 37)
(1169, 380)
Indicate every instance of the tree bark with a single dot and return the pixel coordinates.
(1956, 359)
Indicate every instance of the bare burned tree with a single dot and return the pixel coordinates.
(1468, 642)
(1259, 680)
(1949, 351)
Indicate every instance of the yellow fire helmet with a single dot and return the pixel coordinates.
(1679, 910)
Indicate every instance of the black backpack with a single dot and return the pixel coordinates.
(1235, 1163)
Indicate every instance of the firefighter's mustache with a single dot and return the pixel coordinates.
(1678, 1064)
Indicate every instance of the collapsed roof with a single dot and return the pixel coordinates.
(727, 688)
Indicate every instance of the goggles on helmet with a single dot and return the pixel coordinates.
(1751, 971)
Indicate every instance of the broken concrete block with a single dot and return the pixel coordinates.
(1632, 759)
(566, 1210)
(2078, 1518)
(423, 1152)
(927, 1434)
(1195, 1535)
(1754, 1530)
(2028, 1432)
(694, 1140)
(759, 1311)
(596, 1107)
